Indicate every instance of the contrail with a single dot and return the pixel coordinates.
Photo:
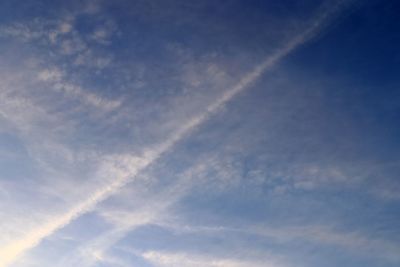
(11, 252)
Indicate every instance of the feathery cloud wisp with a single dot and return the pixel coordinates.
(11, 252)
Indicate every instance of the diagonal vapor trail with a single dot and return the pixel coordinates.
(11, 252)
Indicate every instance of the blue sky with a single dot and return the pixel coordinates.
(199, 133)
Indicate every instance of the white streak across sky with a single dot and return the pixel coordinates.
(11, 252)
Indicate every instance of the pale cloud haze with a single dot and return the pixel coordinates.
(199, 133)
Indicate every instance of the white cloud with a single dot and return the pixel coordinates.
(321, 235)
(50, 75)
(170, 259)
(21, 31)
(86, 97)
(103, 34)
(131, 165)
(143, 207)
(65, 27)
(56, 80)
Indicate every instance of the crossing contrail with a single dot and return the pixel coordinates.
(11, 252)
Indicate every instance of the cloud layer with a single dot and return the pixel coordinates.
(142, 145)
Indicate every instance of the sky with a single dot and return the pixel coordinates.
(175, 133)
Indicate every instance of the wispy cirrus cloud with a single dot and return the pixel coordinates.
(162, 259)
(10, 252)
(56, 80)
(125, 143)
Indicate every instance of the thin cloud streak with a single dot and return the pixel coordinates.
(124, 222)
(10, 253)
(163, 259)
